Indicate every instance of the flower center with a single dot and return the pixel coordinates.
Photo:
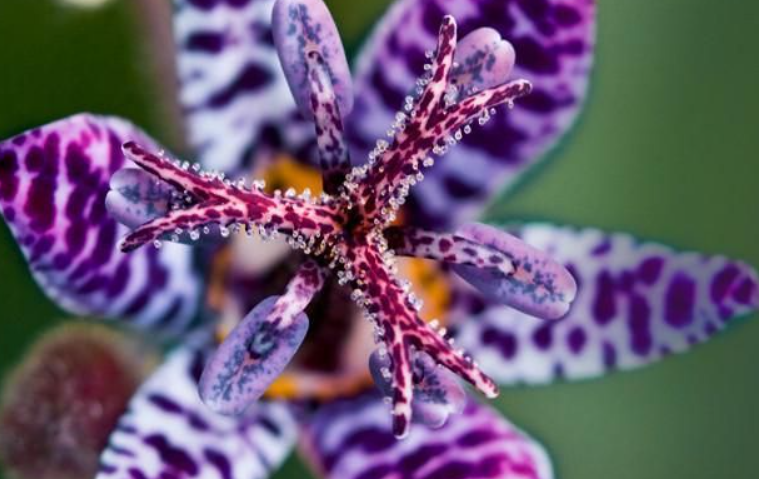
(332, 361)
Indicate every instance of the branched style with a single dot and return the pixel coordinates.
(346, 231)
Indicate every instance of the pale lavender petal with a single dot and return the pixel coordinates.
(352, 439)
(637, 302)
(450, 248)
(260, 347)
(554, 42)
(167, 432)
(233, 91)
(483, 60)
(53, 185)
(301, 27)
(137, 197)
(538, 285)
(437, 393)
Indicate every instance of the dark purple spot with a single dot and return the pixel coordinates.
(34, 159)
(8, 170)
(680, 301)
(576, 340)
(543, 336)
(171, 455)
(165, 404)
(639, 323)
(416, 459)
(118, 280)
(722, 282)
(206, 42)
(566, 16)
(745, 293)
(220, 462)
(135, 473)
(478, 437)
(650, 269)
(459, 189)
(505, 341)
(534, 57)
(540, 101)
(604, 304)
(252, 78)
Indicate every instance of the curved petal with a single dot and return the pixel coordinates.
(230, 79)
(168, 432)
(352, 439)
(53, 184)
(553, 40)
(302, 28)
(538, 286)
(253, 355)
(637, 302)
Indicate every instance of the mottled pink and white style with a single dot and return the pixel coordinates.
(451, 103)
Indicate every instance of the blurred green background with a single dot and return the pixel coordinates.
(667, 148)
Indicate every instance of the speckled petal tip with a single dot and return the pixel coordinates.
(538, 285)
(305, 26)
(483, 59)
(251, 358)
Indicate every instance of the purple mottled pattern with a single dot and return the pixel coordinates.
(53, 184)
(638, 302)
(538, 285)
(252, 356)
(554, 42)
(230, 77)
(303, 28)
(351, 439)
(168, 433)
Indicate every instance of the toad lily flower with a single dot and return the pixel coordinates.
(292, 349)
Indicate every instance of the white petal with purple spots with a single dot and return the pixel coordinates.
(53, 184)
(637, 302)
(230, 78)
(352, 440)
(168, 433)
(553, 40)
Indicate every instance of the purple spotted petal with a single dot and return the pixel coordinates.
(538, 285)
(437, 393)
(301, 27)
(168, 433)
(638, 302)
(553, 40)
(230, 77)
(483, 60)
(53, 184)
(251, 357)
(352, 439)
